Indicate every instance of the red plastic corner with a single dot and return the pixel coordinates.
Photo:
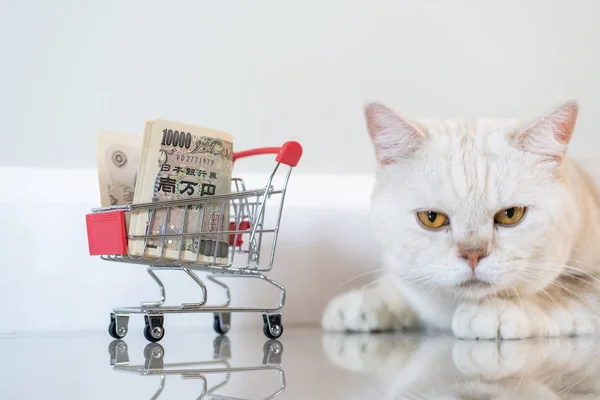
(106, 233)
(244, 225)
(290, 154)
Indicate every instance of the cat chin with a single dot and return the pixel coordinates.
(473, 290)
(473, 294)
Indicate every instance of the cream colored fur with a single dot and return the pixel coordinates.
(541, 275)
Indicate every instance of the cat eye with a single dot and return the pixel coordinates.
(432, 219)
(510, 216)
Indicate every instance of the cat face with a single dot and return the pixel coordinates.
(473, 207)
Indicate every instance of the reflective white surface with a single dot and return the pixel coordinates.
(304, 364)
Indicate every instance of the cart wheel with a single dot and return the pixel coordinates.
(154, 334)
(272, 328)
(274, 332)
(154, 355)
(154, 350)
(112, 328)
(117, 349)
(272, 352)
(222, 323)
(221, 348)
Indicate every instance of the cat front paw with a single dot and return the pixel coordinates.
(365, 311)
(492, 360)
(492, 319)
(361, 351)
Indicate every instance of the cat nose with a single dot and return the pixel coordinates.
(473, 255)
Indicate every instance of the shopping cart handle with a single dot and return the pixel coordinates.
(288, 154)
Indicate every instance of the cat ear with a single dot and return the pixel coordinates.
(393, 137)
(550, 134)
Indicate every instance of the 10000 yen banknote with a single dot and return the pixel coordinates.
(181, 161)
(118, 157)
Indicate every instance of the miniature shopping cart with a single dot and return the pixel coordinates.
(218, 368)
(249, 232)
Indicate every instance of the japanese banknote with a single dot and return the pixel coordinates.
(180, 161)
(118, 156)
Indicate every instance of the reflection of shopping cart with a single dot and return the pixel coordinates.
(247, 233)
(154, 365)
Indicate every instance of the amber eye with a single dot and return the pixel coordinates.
(510, 216)
(432, 219)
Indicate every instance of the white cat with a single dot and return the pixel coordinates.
(486, 229)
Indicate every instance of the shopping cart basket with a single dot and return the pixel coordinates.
(248, 233)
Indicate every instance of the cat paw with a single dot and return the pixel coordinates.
(494, 319)
(359, 352)
(365, 311)
(490, 360)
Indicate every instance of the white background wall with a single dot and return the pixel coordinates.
(271, 70)
(266, 71)
(52, 284)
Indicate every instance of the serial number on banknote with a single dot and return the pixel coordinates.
(183, 140)
(194, 159)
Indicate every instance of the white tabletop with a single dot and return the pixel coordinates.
(303, 364)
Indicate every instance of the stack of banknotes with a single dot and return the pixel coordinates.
(171, 161)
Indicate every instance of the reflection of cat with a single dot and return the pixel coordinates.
(486, 229)
(449, 369)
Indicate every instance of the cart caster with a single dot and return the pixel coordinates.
(154, 355)
(222, 323)
(117, 349)
(118, 326)
(154, 329)
(272, 327)
(221, 348)
(272, 351)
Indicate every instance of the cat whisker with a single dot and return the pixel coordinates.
(371, 284)
(569, 291)
(414, 279)
(405, 278)
(517, 387)
(518, 296)
(542, 289)
(433, 289)
(561, 267)
(337, 289)
(552, 283)
(572, 261)
(550, 297)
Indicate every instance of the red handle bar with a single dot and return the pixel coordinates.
(288, 154)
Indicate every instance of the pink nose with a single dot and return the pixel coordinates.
(472, 256)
